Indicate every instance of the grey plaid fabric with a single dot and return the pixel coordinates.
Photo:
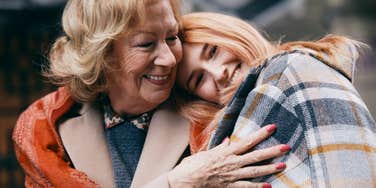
(318, 112)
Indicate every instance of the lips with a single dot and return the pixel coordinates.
(157, 79)
(235, 75)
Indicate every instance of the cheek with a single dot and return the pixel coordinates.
(132, 67)
(134, 64)
(208, 92)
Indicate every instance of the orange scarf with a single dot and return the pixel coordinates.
(39, 148)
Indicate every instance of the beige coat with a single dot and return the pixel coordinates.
(166, 140)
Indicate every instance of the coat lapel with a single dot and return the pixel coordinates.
(84, 141)
(167, 138)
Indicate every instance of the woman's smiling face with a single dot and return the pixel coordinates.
(207, 70)
(146, 60)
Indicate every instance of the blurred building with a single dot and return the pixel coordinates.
(28, 28)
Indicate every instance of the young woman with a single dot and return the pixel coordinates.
(238, 82)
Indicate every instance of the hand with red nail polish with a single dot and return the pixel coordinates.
(280, 166)
(266, 185)
(271, 128)
(285, 148)
(229, 164)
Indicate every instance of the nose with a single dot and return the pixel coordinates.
(165, 56)
(220, 74)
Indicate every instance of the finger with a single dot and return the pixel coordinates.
(263, 154)
(255, 171)
(246, 144)
(247, 184)
(225, 143)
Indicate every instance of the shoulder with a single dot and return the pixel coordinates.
(43, 113)
(296, 67)
(301, 77)
(280, 63)
(54, 102)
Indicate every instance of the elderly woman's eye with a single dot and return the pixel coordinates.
(145, 45)
(172, 38)
(213, 50)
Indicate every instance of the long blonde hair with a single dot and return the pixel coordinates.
(248, 44)
(79, 58)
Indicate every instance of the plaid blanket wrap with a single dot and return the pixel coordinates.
(318, 112)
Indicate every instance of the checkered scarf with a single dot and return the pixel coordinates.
(318, 112)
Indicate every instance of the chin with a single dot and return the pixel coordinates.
(157, 97)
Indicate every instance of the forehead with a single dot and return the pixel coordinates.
(157, 13)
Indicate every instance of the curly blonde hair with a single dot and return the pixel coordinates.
(79, 58)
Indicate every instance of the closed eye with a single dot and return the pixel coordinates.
(194, 81)
(145, 45)
(198, 80)
(212, 51)
(172, 38)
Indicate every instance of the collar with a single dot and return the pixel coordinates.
(111, 118)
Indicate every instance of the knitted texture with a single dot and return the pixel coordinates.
(125, 143)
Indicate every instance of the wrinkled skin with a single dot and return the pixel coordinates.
(227, 164)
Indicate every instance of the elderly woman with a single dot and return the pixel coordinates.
(116, 64)
(239, 81)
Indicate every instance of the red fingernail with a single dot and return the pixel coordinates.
(225, 140)
(266, 185)
(271, 128)
(280, 166)
(285, 148)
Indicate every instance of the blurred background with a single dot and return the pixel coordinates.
(28, 28)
